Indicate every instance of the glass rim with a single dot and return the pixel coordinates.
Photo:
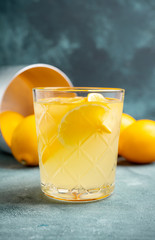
(79, 89)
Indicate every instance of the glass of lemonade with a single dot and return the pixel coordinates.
(78, 132)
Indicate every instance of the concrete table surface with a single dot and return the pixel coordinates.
(25, 213)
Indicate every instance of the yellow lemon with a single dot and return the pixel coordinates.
(24, 142)
(126, 121)
(8, 122)
(81, 122)
(138, 142)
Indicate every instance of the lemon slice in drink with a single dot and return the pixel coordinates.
(81, 122)
(99, 98)
(95, 97)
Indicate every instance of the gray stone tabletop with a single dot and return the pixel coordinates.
(25, 213)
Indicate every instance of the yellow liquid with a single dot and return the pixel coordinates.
(77, 144)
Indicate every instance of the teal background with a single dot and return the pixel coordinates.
(106, 43)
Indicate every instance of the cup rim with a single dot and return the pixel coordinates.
(79, 89)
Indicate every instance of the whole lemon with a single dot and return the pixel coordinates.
(9, 120)
(138, 142)
(126, 121)
(24, 142)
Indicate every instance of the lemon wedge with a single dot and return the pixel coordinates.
(95, 97)
(81, 122)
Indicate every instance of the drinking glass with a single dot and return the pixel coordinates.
(78, 132)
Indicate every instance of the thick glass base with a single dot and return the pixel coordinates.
(77, 194)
